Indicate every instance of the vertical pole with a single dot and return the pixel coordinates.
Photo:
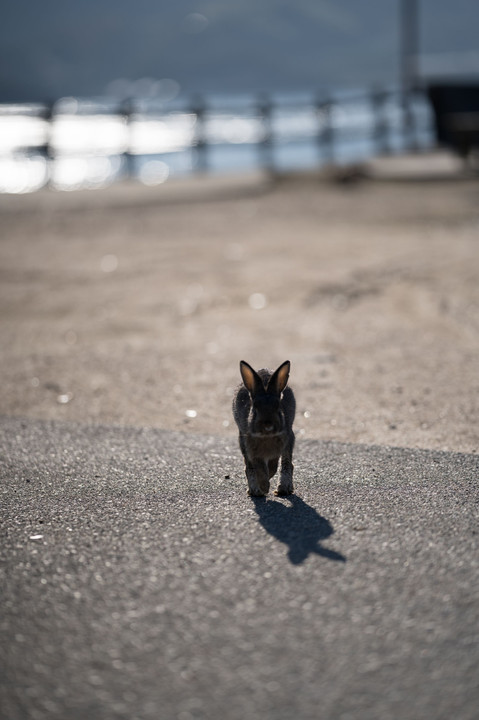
(326, 132)
(265, 146)
(200, 146)
(46, 150)
(127, 110)
(379, 99)
(409, 53)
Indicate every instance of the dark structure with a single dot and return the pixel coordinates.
(456, 115)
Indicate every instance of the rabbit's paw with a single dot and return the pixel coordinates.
(257, 489)
(256, 492)
(258, 483)
(282, 490)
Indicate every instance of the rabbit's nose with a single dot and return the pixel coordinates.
(268, 427)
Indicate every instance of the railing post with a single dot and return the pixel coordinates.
(326, 131)
(409, 122)
(200, 144)
(46, 149)
(46, 113)
(265, 145)
(127, 110)
(381, 128)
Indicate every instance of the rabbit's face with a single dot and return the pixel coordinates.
(267, 417)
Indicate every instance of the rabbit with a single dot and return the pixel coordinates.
(263, 409)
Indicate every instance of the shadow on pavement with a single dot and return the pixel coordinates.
(298, 525)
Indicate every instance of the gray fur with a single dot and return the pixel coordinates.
(264, 409)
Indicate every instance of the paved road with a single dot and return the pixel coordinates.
(140, 582)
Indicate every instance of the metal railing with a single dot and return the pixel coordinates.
(79, 143)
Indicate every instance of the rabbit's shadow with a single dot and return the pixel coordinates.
(297, 525)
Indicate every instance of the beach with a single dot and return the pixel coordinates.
(133, 306)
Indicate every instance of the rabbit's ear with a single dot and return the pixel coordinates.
(279, 378)
(251, 379)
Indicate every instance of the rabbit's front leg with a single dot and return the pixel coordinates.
(285, 485)
(258, 479)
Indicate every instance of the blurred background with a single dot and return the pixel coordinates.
(92, 92)
(134, 305)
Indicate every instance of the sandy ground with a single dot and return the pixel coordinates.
(134, 305)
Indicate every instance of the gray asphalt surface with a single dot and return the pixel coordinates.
(140, 582)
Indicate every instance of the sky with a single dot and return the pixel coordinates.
(85, 48)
